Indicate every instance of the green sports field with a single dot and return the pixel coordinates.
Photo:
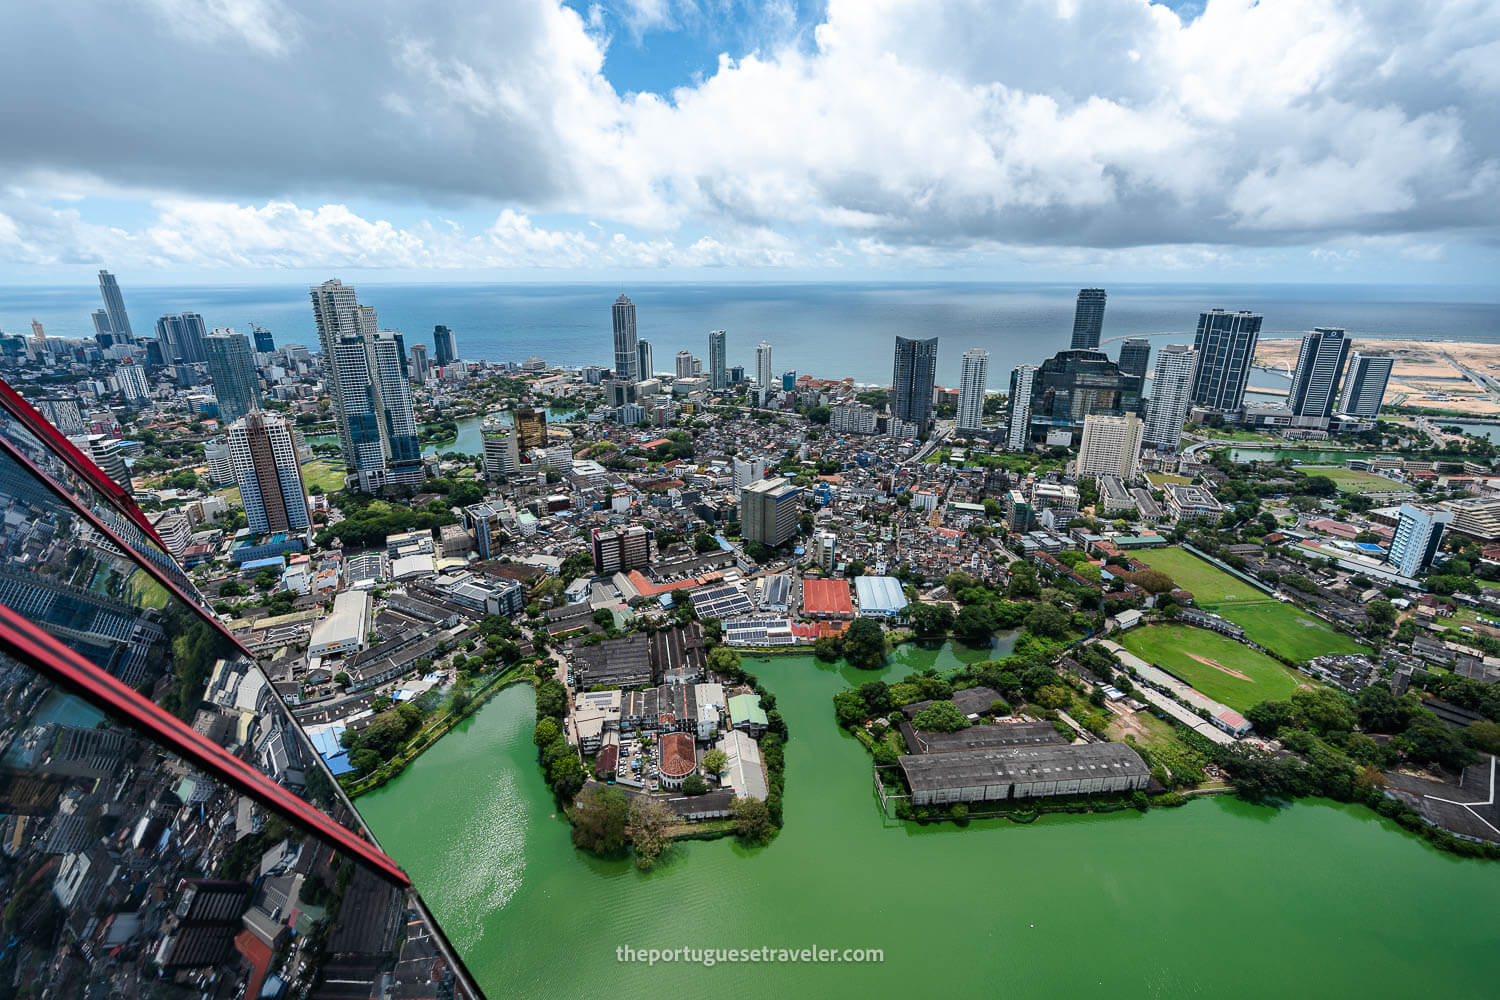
(1278, 626)
(1216, 665)
(1351, 480)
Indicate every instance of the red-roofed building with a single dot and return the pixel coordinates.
(678, 759)
(827, 598)
(258, 956)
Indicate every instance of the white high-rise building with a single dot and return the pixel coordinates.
(1171, 396)
(747, 471)
(220, 468)
(764, 380)
(132, 379)
(684, 364)
(1111, 446)
(502, 449)
(1018, 427)
(1419, 532)
(976, 369)
(827, 551)
(264, 457)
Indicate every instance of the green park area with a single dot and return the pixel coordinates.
(326, 473)
(1283, 628)
(1167, 479)
(146, 591)
(1225, 670)
(1351, 480)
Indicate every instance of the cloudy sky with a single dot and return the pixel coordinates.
(242, 140)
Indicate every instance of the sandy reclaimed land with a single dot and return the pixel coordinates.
(1425, 374)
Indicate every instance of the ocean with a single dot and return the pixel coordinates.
(830, 330)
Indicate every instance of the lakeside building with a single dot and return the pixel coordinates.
(501, 444)
(1000, 774)
(879, 596)
(1478, 517)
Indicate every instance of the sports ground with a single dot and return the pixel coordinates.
(1278, 626)
(1218, 666)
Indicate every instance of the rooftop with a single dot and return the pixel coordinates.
(1020, 765)
(827, 597)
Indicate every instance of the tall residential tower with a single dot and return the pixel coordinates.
(1225, 343)
(627, 359)
(1320, 364)
(912, 379)
(976, 369)
(1088, 319)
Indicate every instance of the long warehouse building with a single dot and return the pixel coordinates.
(996, 774)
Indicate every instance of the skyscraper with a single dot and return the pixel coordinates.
(231, 368)
(1073, 384)
(419, 367)
(971, 384)
(1018, 413)
(1088, 319)
(531, 427)
(718, 365)
(911, 381)
(763, 378)
(1320, 364)
(684, 364)
(502, 449)
(1364, 385)
(769, 510)
(1225, 343)
(646, 363)
(1111, 446)
(1419, 532)
(132, 379)
(181, 337)
(1171, 396)
(444, 346)
(102, 332)
(371, 395)
(114, 304)
(1135, 356)
(627, 358)
(264, 457)
(264, 342)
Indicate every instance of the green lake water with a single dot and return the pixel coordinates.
(1216, 898)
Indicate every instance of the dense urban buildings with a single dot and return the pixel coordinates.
(976, 368)
(231, 368)
(627, 357)
(1320, 364)
(1088, 319)
(264, 458)
(912, 380)
(1171, 396)
(1225, 343)
(1364, 384)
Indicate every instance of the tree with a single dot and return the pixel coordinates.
(940, 717)
(704, 542)
(877, 697)
(849, 708)
(599, 820)
(715, 761)
(1046, 620)
(1381, 612)
(1153, 581)
(694, 784)
(647, 829)
(1379, 711)
(547, 731)
(1269, 716)
(975, 623)
(1484, 736)
(724, 660)
(341, 679)
(930, 619)
(752, 821)
(1325, 710)
(864, 644)
(826, 649)
(1429, 741)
